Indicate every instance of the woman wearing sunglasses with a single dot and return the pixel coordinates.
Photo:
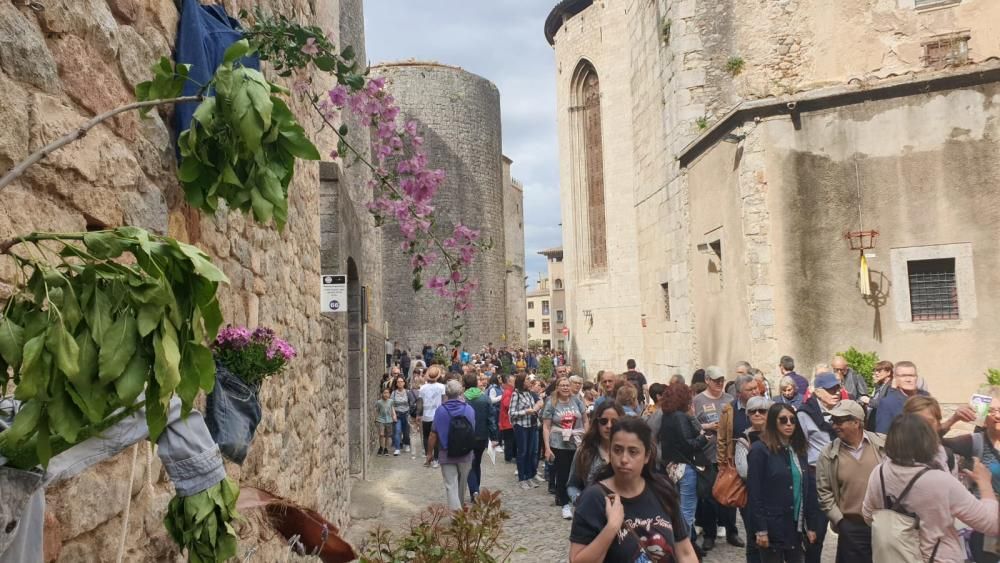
(782, 496)
(592, 455)
(631, 513)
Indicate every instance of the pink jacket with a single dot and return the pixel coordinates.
(937, 498)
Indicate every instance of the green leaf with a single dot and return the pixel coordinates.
(203, 364)
(65, 418)
(249, 123)
(236, 51)
(263, 210)
(34, 373)
(205, 113)
(201, 264)
(25, 422)
(348, 52)
(11, 342)
(149, 319)
(65, 350)
(156, 410)
(99, 315)
(168, 358)
(131, 383)
(43, 446)
(325, 63)
(293, 140)
(189, 170)
(103, 244)
(91, 401)
(212, 314)
(117, 348)
(87, 374)
(70, 309)
(260, 97)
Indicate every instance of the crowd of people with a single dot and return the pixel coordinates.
(652, 472)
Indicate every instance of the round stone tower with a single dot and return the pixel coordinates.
(458, 115)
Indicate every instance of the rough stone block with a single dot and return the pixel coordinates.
(85, 19)
(14, 136)
(23, 53)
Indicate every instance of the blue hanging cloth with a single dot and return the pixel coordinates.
(203, 35)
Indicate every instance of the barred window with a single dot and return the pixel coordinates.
(546, 327)
(933, 289)
(666, 300)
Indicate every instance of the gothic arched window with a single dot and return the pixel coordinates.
(589, 168)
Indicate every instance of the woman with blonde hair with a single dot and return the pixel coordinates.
(628, 398)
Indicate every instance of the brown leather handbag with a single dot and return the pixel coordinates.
(729, 489)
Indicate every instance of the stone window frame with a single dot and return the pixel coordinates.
(590, 216)
(531, 323)
(560, 316)
(964, 280)
(546, 327)
(921, 5)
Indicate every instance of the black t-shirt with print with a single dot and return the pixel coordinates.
(647, 535)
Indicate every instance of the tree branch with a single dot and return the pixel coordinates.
(81, 131)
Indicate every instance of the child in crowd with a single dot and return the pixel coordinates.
(386, 418)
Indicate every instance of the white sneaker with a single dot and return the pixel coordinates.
(435, 464)
(567, 512)
(395, 452)
(533, 483)
(524, 485)
(500, 449)
(541, 479)
(406, 448)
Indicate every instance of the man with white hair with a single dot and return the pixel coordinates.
(708, 406)
(453, 433)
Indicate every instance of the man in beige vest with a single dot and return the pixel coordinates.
(842, 473)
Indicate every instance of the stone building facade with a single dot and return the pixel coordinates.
(547, 305)
(755, 135)
(459, 117)
(71, 60)
(515, 333)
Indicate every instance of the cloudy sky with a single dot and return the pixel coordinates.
(503, 42)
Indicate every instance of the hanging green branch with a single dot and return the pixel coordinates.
(242, 143)
(121, 312)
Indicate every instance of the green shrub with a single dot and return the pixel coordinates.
(439, 535)
(993, 377)
(545, 367)
(861, 362)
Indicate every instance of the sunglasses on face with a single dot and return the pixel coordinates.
(841, 419)
(786, 420)
(604, 421)
(757, 411)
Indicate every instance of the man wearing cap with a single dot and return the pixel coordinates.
(708, 407)
(842, 474)
(816, 422)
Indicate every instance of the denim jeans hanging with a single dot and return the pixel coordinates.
(232, 412)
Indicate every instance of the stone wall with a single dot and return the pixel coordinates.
(603, 307)
(516, 328)
(458, 114)
(75, 59)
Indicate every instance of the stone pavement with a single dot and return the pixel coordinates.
(400, 487)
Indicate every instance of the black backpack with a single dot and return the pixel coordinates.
(461, 436)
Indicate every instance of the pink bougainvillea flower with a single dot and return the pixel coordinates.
(311, 48)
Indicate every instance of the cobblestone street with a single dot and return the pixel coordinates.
(399, 487)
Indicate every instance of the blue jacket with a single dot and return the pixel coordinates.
(889, 407)
(203, 35)
(770, 498)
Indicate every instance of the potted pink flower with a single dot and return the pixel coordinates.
(243, 360)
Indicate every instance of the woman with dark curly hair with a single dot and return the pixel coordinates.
(682, 446)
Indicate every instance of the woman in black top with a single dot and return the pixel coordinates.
(630, 514)
(682, 442)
